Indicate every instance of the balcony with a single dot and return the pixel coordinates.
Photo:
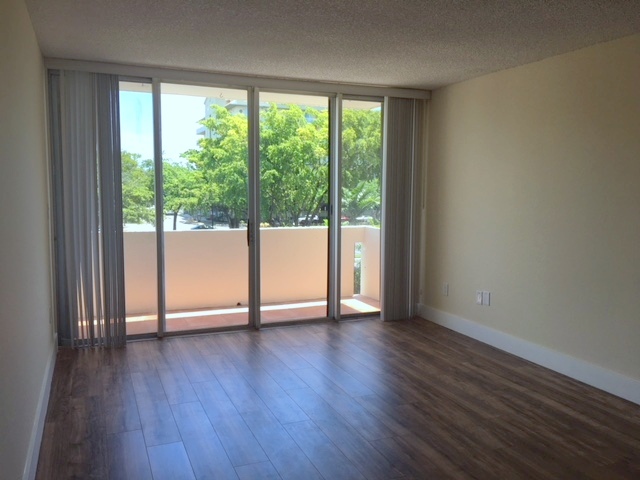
(206, 274)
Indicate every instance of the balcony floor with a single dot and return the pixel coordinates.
(188, 320)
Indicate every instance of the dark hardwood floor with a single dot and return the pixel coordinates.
(360, 399)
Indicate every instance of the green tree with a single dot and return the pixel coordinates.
(361, 162)
(222, 163)
(137, 189)
(294, 166)
(294, 163)
(363, 198)
(182, 188)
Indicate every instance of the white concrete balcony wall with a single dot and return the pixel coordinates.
(370, 275)
(294, 264)
(209, 268)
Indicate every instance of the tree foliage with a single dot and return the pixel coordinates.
(294, 155)
(182, 186)
(222, 163)
(137, 189)
(294, 168)
(361, 163)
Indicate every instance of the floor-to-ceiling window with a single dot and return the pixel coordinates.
(294, 205)
(241, 206)
(203, 170)
(138, 207)
(361, 206)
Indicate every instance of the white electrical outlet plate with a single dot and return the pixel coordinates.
(445, 289)
(478, 297)
(486, 298)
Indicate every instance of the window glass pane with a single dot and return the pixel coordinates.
(205, 182)
(294, 198)
(361, 177)
(138, 207)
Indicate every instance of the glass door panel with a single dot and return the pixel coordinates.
(138, 208)
(294, 199)
(361, 179)
(205, 154)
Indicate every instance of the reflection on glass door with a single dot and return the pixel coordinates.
(205, 155)
(294, 198)
(361, 179)
(138, 208)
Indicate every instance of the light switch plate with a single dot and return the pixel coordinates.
(486, 298)
(479, 297)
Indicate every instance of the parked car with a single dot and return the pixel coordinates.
(202, 226)
(312, 220)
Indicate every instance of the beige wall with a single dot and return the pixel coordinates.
(26, 342)
(534, 195)
(209, 268)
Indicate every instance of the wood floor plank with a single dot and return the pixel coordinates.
(158, 425)
(354, 447)
(127, 456)
(140, 356)
(336, 374)
(189, 352)
(259, 379)
(284, 453)
(240, 392)
(415, 459)
(284, 408)
(148, 386)
(281, 373)
(356, 399)
(383, 411)
(208, 457)
(61, 385)
(119, 399)
(214, 400)
(270, 392)
(176, 385)
(258, 471)
(87, 374)
(83, 434)
(170, 462)
(238, 441)
(323, 453)
(355, 414)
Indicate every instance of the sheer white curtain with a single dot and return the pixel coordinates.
(88, 208)
(403, 125)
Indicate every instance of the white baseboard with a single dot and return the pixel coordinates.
(594, 375)
(33, 453)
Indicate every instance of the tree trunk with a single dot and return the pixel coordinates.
(175, 220)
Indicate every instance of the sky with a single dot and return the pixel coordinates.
(180, 116)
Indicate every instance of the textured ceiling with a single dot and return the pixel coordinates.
(411, 43)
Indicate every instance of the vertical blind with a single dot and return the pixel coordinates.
(88, 208)
(401, 184)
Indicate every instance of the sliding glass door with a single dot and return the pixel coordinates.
(294, 207)
(361, 206)
(138, 207)
(202, 270)
(205, 188)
